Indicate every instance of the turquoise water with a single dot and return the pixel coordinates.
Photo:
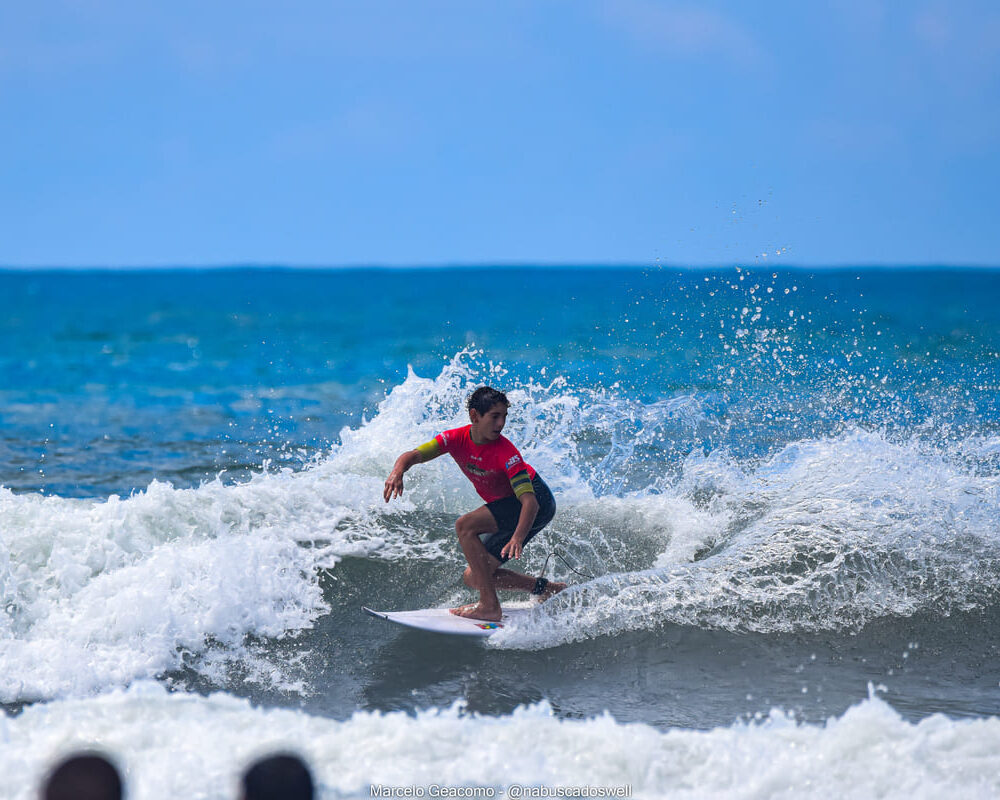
(785, 484)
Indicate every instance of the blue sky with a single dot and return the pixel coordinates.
(411, 132)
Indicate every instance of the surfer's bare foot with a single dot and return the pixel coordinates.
(476, 611)
(551, 588)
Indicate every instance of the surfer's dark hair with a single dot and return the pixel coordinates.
(485, 397)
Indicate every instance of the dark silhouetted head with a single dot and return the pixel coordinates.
(282, 776)
(84, 776)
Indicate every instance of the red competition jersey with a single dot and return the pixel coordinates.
(492, 467)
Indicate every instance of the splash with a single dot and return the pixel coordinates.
(828, 534)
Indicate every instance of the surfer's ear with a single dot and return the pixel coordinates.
(474, 415)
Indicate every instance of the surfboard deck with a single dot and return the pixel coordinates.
(441, 620)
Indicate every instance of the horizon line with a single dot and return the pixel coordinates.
(509, 265)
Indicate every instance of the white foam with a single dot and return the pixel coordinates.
(172, 745)
(827, 534)
(99, 593)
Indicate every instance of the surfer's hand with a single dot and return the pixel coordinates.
(513, 548)
(393, 485)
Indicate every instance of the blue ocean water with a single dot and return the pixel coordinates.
(785, 485)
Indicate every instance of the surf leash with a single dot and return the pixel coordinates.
(541, 581)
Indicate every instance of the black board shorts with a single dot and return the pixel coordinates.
(507, 512)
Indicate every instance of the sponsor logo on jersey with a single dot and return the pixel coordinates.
(515, 459)
(476, 470)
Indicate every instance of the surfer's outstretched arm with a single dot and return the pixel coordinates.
(394, 483)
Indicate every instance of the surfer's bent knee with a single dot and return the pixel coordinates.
(462, 527)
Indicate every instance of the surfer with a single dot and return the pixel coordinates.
(518, 502)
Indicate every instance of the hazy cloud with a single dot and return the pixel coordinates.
(685, 30)
(372, 128)
(863, 19)
(860, 139)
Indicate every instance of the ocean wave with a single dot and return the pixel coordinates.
(827, 533)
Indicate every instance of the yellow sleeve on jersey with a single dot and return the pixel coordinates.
(521, 484)
(430, 450)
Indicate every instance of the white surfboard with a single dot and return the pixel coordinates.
(441, 620)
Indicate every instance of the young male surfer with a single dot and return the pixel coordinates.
(518, 503)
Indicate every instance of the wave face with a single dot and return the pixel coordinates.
(189, 746)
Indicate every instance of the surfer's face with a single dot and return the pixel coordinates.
(489, 426)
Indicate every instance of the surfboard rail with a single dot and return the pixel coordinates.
(441, 620)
